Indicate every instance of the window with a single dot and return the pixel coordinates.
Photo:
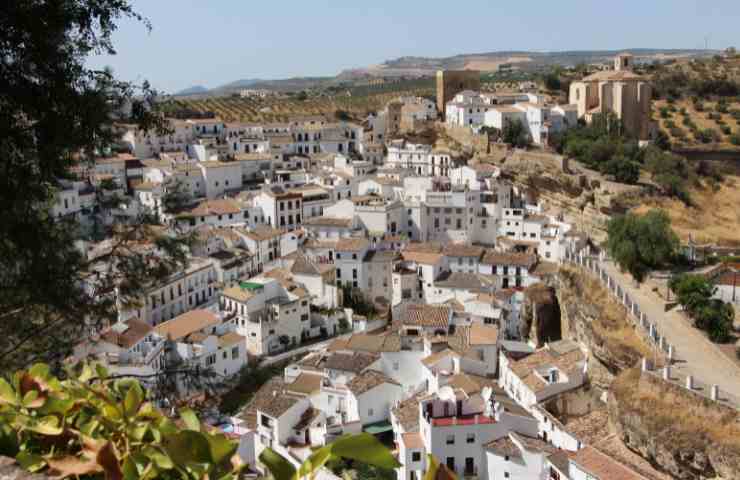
(304, 317)
(450, 439)
(210, 360)
(370, 412)
(415, 456)
(470, 438)
(451, 463)
(225, 355)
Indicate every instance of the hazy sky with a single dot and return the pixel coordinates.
(212, 42)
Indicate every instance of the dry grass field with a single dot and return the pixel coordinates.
(715, 216)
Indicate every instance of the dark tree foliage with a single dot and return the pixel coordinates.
(56, 113)
(641, 243)
(515, 134)
(694, 293)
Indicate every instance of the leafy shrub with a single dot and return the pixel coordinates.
(640, 243)
(707, 135)
(677, 132)
(682, 111)
(735, 139)
(670, 124)
(714, 116)
(726, 129)
(89, 424)
(699, 107)
(664, 112)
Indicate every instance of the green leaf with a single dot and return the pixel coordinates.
(101, 370)
(364, 448)
(56, 404)
(221, 447)
(30, 399)
(30, 461)
(39, 370)
(46, 426)
(130, 471)
(134, 397)
(432, 468)
(279, 467)
(188, 447)
(86, 374)
(314, 462)
(160, 459)
(191, 419)
(7, 394)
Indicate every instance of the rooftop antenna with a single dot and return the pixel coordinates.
(706, 41)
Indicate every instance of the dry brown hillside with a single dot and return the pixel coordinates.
(715, 218)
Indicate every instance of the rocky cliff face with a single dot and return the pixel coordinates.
(590, 316)
(684, 435)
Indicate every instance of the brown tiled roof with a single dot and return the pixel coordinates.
(465, 383)
(561, 460)
(187, 323)
(305, 383)
(436, 357)
(603, 467)
(306, 418)
(426, 315)
(612, 75)
(480, 334)
(355, 362)
(262, 232)
(222, 206)
(135, 332)
(424, 258)
(304, 266)
(463, 250)
(367, 380)
(363, 342)
(328, 221)
(507, 258)
(407, 413)
(567, 362)
(471, 281)
(230, 338)
(238, 293)
(352, 244)
(412, 440)
(281, 403)
(504, 447)
(590, 427)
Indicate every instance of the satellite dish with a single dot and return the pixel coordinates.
(447, 393)
(486, 393)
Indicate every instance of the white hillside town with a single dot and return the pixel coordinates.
(391, 280)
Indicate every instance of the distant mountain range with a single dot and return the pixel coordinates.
(427, 66)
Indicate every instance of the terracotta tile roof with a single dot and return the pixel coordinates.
(305, 384)
(470, 281)
(465, 383)
(261, 233)
(603, 467)
(426, 315)
(306, 418)
(432, 359)
(480, 334)
(328, 222)
(230, 338)
(355, 362)
(304, 266)
(463, 250)
(222, 206)
(504, 447)
(187, 323)
(238, 293)
(281, 403)
(412, 440)
(363, 342)
(135, 331)
(352, 244)
(423, 258)
(590, 427)
(612, 75)
(568, 362)
(508, 258)
(367, 380)
(407, 413)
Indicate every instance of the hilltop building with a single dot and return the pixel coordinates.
(620, 91)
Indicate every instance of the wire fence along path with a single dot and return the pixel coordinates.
(649, 329)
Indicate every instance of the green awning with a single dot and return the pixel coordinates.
(378, 427)
(250, 285)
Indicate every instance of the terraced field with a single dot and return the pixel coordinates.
(281, 108)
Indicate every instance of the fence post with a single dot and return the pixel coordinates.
(715, 392)
(690, 382)
(661, 343)
(666, 373)
(670, 353)
(651, 331)
(644, 366)
(643, 319)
